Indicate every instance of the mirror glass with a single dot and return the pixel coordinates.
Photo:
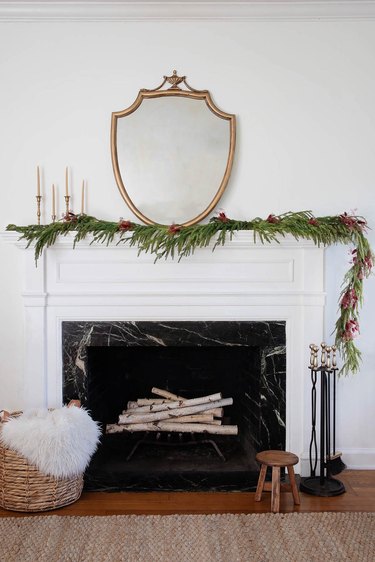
(172, 153)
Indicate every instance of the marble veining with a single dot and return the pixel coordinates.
(259, 390)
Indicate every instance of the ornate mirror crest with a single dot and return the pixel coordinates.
(172, 153)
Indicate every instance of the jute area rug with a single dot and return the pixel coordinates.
(305, 537)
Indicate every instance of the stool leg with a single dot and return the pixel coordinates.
(261, 479)
(275, 495)
(293, 485)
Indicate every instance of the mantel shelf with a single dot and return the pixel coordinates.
(241, 239)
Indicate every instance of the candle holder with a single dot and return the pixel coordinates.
(67, 199)
(38, 214)
(53, 218)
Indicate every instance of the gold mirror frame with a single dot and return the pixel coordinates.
(174, 90)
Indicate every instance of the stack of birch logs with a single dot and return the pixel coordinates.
(173, 413)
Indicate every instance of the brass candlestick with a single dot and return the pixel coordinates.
(67, 198)
(38, 200)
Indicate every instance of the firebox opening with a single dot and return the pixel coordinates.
(120, 374)
(109, 364)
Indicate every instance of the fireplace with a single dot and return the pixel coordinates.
(107, 364)
(243, 281)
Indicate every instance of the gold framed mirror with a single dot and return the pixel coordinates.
(172, 153)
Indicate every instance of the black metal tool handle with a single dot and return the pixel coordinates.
(313, 449)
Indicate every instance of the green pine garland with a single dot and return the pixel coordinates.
(174, 240)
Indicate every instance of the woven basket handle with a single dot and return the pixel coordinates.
(76, 403)
(4, 416)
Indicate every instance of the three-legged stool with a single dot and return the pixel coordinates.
(276, 460)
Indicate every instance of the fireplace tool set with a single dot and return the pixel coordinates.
(330, 462)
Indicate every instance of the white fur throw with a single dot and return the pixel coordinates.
(59, 443)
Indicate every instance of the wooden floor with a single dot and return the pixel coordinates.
(359, 496)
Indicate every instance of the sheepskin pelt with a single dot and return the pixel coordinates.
(59, 443)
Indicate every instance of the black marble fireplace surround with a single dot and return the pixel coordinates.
(106, 364)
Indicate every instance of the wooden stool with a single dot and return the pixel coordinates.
(276, 459)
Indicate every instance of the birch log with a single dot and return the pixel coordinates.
(197, 418)
(171, 427)
(216, 412)
(166, 394)
(147, 402)
(178, 411)
(132, 405)
(179, 403)
(150, 401)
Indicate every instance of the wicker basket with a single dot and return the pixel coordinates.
(24, 488)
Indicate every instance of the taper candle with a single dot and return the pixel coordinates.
(37, 181)
(83, 198)
(66, 182)
(53, 201)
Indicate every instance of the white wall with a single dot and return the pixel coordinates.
(304, 96)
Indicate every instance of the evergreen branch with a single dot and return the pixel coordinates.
(169, 242)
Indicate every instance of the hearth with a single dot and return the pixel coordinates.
(107, 364)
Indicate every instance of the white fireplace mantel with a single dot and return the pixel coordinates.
(241, 280)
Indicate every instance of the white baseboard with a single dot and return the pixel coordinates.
(359, 459)
(355, 459)
(170, 10)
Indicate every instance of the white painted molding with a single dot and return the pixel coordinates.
(359, 459)
(170, 10)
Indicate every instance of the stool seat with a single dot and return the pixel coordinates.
(276, 460)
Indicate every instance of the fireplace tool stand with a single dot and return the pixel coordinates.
(324, 484)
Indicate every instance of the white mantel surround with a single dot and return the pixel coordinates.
(239, 281)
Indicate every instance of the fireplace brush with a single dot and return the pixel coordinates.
(336, 465)
(330, 462)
